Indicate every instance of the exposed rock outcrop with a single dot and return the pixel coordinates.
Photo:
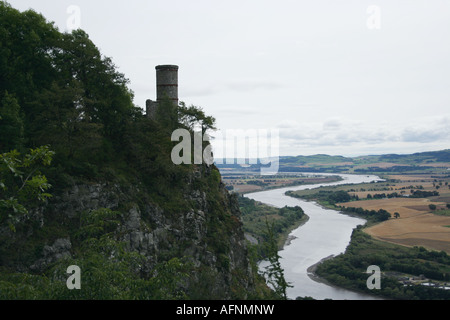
(209, 236)
(58, 250)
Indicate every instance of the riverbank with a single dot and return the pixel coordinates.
(312, 271)
(286, 237)
(257, 217)
(325, 234)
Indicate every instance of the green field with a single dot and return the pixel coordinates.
(375, 186)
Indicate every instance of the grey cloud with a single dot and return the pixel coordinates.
(253, 85)
(287, 124)
(340, 136)
(424, 136)
(333, 124)
(199, 91)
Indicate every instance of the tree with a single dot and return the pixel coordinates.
(105, 98)
(62, 124)
(339, 196)
(274, 272)
(11, 124)
(59, 88)
(193, 117)
(22, 185)
(432, 207)
(396, 215)
(27, 46)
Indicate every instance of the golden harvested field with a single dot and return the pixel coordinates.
(416, 225)
(412, 178)
(247, 188)
(407, 207)
(437, 165)
(427, 230)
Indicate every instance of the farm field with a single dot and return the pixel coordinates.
(247, 183)
(417, 224)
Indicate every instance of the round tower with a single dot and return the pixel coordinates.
(167, 83)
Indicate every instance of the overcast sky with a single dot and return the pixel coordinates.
(337, 77)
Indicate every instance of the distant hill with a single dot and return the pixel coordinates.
(318, 158)
(418, 162)
(416, 158)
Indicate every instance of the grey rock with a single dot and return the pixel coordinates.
(157, 235)
(58, 250)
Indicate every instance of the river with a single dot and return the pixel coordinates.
(327, 233)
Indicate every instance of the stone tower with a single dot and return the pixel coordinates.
(166, 87)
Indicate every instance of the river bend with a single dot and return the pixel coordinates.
(327, 233)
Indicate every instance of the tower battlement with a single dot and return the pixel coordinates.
(166, 87)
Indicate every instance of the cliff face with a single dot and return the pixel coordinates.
(206, 232)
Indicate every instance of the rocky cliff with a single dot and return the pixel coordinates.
(206, 232)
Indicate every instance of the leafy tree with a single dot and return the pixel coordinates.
(11, 124)
(62, 124)
(21, 183)
(339, 196)
(274, 272)
(70, 96)
(27, 45)
(167, 278)
(105, 98)
(193, 117)
(432, 207)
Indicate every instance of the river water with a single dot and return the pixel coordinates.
(327, 233)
